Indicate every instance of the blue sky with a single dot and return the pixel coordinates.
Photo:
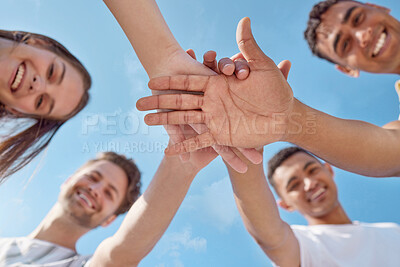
(207, 230)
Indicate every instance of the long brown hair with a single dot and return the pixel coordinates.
(17, 150)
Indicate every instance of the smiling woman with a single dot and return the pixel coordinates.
(39, 80)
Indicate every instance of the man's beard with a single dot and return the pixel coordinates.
(78, 215)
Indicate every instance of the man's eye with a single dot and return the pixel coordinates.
(358, 19)
(39, 102)
(51, 71)
(92, 178)
(313, 170)
(346, 44)
(294, 186)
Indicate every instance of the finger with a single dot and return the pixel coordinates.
(192, 144)
(284, 66)
(176, 135)
(252, 154)
(397, 87)
(231, 158)
(209, 60)
(224, 151)
(237, 56)
(190, 83)
(249, 48)
(175, 118)
(242, 69)
(191, 53)
(226, 66)
(173, 101)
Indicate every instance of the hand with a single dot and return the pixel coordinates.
(200, 158)
(249, 113)
(180, 133)
(235, 65)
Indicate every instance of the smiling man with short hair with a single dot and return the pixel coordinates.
(306, 185)
(355, 36)
(94, 196)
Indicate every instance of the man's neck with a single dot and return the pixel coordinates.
(336, 216)
(58, 229)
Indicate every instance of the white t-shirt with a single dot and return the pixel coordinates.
(352, 245)
(24, 251)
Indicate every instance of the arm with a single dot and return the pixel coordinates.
(160, 54)
(351, 145)
(152, 40)
(268, 112)
(260, 216)
(151, 214)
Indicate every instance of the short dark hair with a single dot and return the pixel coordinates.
(131, 171)
(279, 158)
(314, 20)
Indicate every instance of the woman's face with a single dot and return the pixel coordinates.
(35, 81)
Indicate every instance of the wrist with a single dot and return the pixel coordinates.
(302, 123)
(185, 169)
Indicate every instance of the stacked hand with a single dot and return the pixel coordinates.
(240, 113)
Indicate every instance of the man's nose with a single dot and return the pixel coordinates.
(95, 189)
(309, 184)
(363, 36)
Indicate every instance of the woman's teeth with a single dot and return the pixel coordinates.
(18, 77)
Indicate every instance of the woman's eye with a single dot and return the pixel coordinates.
(39, 102)
(51, 71)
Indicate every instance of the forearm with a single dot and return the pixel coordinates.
(152, 40)
(260, 215)
(149, 217)
(351, 145)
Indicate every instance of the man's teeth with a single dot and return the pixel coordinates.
(379, 44)
(18, 77)
(317, 194)
(86, 200)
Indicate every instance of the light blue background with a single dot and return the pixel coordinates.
(207, 230)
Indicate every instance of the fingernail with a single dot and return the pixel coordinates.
(242, 71)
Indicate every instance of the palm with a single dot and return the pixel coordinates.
(249, 113)
(234, 109)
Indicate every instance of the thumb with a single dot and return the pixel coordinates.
(248, 46)
(284, 66)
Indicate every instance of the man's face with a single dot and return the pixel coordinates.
(304, 184)
(360, 37)
(92, 195)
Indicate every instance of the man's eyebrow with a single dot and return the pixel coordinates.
(348, 14)
(308, 164)
(62, 73)
(335, 43)
(290, 181)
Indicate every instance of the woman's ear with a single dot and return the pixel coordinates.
(13, 111)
